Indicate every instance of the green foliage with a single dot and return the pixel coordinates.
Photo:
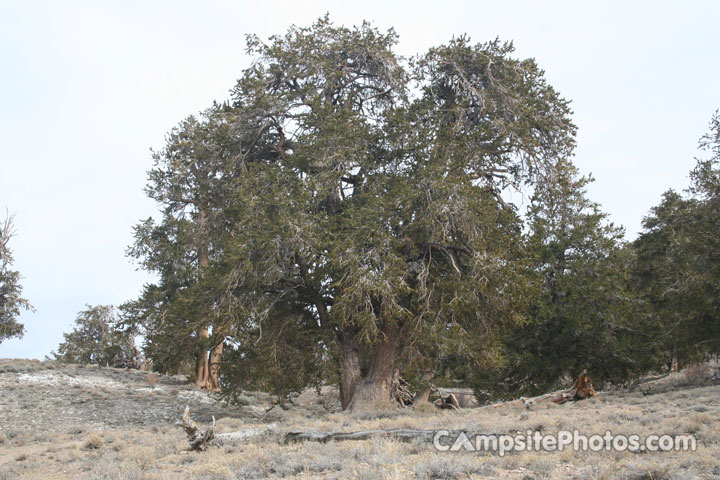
(279, 356)
(11, 300)
(385, 207)
(94, 340)
(678, 266)
(582, 315)
(345, 192)
(191, 181)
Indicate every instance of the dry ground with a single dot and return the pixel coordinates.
(62, 422)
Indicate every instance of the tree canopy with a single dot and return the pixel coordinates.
(583, 313)
(349, 214)
(360, 197)
(678, 261)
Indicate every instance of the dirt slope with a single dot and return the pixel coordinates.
(64, 422)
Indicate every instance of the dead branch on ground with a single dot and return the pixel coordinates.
(200, 441)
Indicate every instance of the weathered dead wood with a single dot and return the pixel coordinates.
(465, 396)
(201, 440)
(198, 440)
(401, 393)
(581, 390)
(447, 402)
(402, 434)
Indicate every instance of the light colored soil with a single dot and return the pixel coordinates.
(66, 422)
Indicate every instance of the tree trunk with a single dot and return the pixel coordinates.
(202, 366)
(373, 391)
(351, 365)
(215, 360)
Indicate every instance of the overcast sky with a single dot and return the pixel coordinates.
(86, 88)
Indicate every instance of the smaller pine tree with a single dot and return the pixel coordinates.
(583, 308)
(11, 300)
(94, 340)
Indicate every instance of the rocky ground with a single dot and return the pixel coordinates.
(72, 421)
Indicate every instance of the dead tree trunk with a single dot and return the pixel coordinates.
(448, 402)
(374, 390)
(198, 440)
(202, 440)
(323, 437)
(582, 389)
(402, 434)
(401, 393)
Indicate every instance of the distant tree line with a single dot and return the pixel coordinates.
(351, 215)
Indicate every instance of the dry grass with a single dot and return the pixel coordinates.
(96, 447)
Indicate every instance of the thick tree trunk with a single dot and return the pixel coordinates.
(373, 391)
(215, 360)
(351, 365)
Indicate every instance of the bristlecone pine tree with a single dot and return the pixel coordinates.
(11, 300)
(191, 181)
(678, 263)
(95, 340)
(363, 205)
(584, 313)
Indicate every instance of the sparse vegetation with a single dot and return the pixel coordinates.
(130, 433)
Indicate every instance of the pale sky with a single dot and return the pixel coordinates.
(88, 87)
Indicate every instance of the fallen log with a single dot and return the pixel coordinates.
(581, 390)
(324, 437)
(201, 441)
(402, 434)
(465, 396)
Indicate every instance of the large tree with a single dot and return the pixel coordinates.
(381, 216)
(11, 300)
